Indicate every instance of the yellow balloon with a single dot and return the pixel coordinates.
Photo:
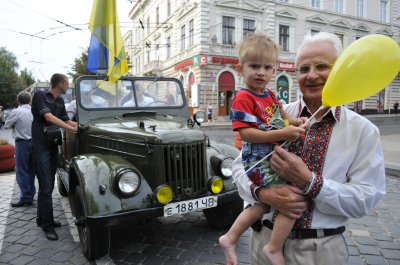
(363, 69)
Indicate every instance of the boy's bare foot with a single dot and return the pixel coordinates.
(275, 257)
(229, 250)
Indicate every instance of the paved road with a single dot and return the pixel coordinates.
(374, 239)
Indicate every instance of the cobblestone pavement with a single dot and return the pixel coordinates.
(374, 239)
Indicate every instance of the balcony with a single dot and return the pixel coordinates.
(153, 67)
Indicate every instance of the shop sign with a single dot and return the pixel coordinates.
(200, 60)
(184, 64)
(225, 60)
(283, 89)
(289, 66)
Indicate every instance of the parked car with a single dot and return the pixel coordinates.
(141, 157)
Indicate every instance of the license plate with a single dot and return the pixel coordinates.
(190, 206)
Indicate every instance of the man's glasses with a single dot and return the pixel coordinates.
(318, 67)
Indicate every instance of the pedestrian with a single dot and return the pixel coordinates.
(337, 169)
(209, 112)
(49, 115)
(20, 120)
(142, 98)
(257, 115)
(88, 100)
(396, 107)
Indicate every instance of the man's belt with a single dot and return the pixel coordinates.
(308, 233)
(21, 139)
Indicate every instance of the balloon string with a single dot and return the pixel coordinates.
(284, 143)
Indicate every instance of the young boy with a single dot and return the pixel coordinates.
(257, 116)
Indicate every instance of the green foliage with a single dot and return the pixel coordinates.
(79, 66)
(10, 83)
(27, 78)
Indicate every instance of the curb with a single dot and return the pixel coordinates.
(392, 169)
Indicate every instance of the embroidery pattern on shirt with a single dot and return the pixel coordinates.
(312, 149)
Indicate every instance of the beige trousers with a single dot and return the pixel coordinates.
(330, 250)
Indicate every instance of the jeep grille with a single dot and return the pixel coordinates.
(185, 169)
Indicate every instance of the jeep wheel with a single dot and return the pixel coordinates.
(224, 215)
(60, 187)
(95, 242)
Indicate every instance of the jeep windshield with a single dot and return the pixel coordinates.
(130, 94)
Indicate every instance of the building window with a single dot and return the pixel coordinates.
(168, 8)
(148, 25)
(315, 3)
(249, 26)
(284, 37)
(168, 47)
(183, 36)
(191, 33)
(148, 56)
(157, 15)
(314, 31)
(382, 10)
(360, 8)
(228, 30)
(339, 6)
(341, 38)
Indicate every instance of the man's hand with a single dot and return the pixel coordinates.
(287, 199)
(290, 167)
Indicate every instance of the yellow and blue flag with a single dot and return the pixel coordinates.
(106, 53)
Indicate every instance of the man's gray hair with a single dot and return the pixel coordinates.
(321, 37)
(24, 98)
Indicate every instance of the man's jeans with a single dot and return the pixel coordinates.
(25, 169)
(46, 166)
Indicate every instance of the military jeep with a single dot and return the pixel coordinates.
(139, 155)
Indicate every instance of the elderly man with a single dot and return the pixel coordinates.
(20, 120)
(336, 170)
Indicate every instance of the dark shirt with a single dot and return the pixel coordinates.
(44, 102)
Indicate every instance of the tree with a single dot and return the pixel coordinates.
(27, 78)
(10, 84)
(79, 66)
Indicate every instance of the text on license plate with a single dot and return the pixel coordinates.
(190, 206)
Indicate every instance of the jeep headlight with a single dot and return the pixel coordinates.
(222, 165)
(199, 117)
(128, 182)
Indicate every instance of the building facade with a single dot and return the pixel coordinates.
(195, 41)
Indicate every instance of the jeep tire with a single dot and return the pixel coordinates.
(224, 215)
(61, 187)
(95, 242)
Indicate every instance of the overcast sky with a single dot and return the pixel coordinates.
(60, 43)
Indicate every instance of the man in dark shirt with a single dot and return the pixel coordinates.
(48, 109)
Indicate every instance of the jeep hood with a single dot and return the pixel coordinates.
(156, 130)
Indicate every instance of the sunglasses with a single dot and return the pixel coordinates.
(318, 67)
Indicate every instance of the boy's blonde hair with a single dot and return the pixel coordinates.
(257, 45)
